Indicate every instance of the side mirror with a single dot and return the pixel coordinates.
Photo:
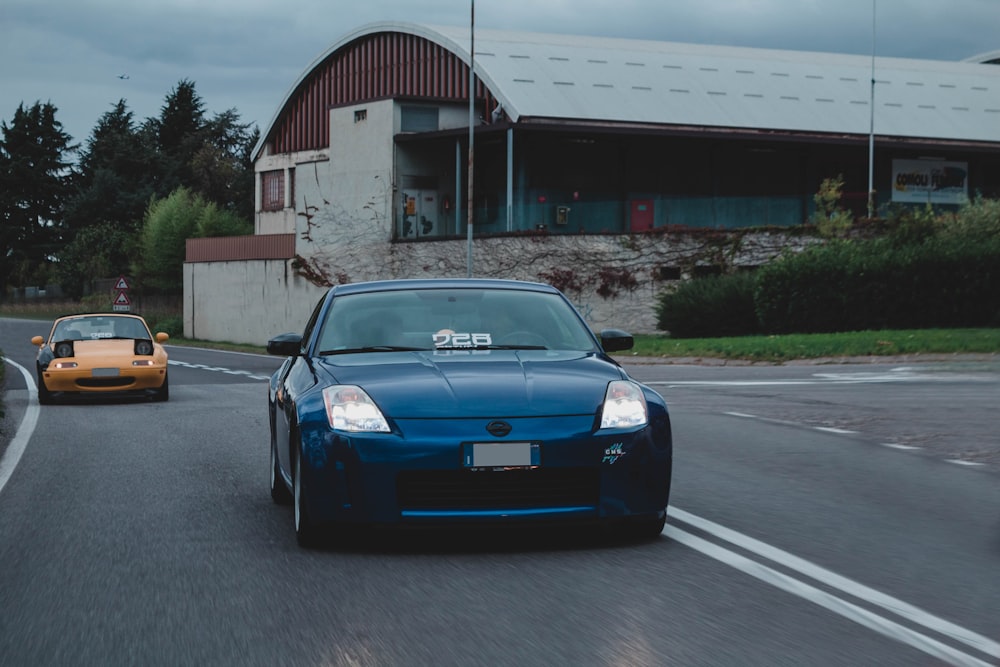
(616, 340)
(285, 345)
(37, 341)
(162, 337)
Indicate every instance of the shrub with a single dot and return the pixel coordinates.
(712, 306)
(172, 325)
(943, 281)
(977, 219)
(830, 218)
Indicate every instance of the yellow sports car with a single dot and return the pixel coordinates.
(100, 353)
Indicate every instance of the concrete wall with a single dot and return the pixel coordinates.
(614, 281)
(246, 301)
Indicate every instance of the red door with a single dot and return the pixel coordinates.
(641, 218)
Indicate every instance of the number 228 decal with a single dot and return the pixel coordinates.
(452, 339)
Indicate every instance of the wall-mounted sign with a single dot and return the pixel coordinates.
(930, 182)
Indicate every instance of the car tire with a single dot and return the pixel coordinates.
(279, 492)
(646, 528)
(163, 393)
(44, 395)
(305, 531)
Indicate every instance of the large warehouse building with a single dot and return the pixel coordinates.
(595, 164)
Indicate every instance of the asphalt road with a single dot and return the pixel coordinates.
(821, 515)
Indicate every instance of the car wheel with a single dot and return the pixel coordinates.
(646, 528)
(44, 395)
(279, 492)
(305, 532)
(163, 393)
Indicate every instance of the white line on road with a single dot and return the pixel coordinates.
(11, 457)
(901, 375)
(960, 462)
(834, 580)
(218, 369)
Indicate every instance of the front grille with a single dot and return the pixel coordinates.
(105, 382)
(507, 489)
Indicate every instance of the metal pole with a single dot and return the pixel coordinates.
(871, 129)
(472, 112)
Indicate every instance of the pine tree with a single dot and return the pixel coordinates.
(35, 180)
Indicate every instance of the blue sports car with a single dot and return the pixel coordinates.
(465, 400)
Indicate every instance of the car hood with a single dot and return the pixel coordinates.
(102, 347)
(495, 383)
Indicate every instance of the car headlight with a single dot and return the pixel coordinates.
(349, 408)
(624, 406)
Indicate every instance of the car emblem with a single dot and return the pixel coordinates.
(498, 428)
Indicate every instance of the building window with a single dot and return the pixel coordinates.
(418, 119)
(360, 115)
(272, 190)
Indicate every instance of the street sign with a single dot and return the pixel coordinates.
(122, 284)
(121, 303)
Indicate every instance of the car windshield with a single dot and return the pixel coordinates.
(448, 319)
(94, 328)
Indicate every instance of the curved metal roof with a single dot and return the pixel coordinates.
(990, 57)
(549, 77)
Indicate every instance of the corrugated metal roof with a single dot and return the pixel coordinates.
(565, 77)
(239, 248)
(635, 81)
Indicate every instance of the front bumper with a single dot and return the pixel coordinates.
(132, 378)
(419, 475)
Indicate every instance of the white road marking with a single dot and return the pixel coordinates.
(829, 601)
(895, 375)
(841, 431)
(12, 456)
(218, 369)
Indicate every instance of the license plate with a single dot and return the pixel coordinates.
(104, 372)
(502, 454)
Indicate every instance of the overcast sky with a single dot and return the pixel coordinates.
(85, 55)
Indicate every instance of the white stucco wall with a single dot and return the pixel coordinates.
(283, 221)
(344, 221)
(245, 302)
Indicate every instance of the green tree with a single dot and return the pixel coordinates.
(208, 156)
(222, 169)
(179, 134)
(117, 179)
(169, 223)
(101, 249)
(118, 174)
(35, 179)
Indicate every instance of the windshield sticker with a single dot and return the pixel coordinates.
(449, 338)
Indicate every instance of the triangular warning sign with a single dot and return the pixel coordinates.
(122, 299)
(122, 283)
